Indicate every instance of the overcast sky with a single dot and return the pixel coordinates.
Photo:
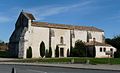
(103, 14)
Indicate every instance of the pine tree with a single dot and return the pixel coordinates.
(50, 52)
(57, 51)
(42, 49)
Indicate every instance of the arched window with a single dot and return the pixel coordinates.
(104, 49)
(100, 49)
(111, 49)
(61, 40)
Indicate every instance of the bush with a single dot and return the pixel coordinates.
(117, 54)
(46, 53)
(79, 50)
(4, 54)
(29, 52)
(50, 52)
(57, 51)
(42, 49)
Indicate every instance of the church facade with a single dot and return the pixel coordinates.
(29, 33)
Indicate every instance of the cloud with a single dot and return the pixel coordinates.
(44, 11)
(4, 19)
(84, 7)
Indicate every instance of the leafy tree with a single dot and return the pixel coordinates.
(57, 51)
(108, 41)
(115, 42)
(42, 49)
(2, 42)
(79, 50)
(29, 52)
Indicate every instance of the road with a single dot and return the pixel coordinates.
(41, 69)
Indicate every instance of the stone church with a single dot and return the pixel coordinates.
(29, 33)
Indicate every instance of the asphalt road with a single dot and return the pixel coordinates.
(41, 69)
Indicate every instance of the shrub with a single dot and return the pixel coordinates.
(50, 52)
(4, 54)
(79, 50)
(47, 53)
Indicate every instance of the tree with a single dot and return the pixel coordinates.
(2, 42)
(68, 53)
(79, 50)
(115, 42)
(29, 52)
(108, 41)
(57, 51)
(50, 52)
(46, 53)
(71, 51)
(42, 49)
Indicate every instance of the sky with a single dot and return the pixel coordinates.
(103, 14)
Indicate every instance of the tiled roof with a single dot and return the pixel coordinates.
(63, 26)
(29, 15)
(96, 43)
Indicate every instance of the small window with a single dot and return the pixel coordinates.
(104, 49)
(100, 49)
(61, 40)
(111, 49)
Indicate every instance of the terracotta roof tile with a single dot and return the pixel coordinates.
(96, 43)
(63, 26)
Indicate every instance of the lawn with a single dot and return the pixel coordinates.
(4, 54)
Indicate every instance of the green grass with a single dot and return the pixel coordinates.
(105, 61)
(69, 60)
(4, 54)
